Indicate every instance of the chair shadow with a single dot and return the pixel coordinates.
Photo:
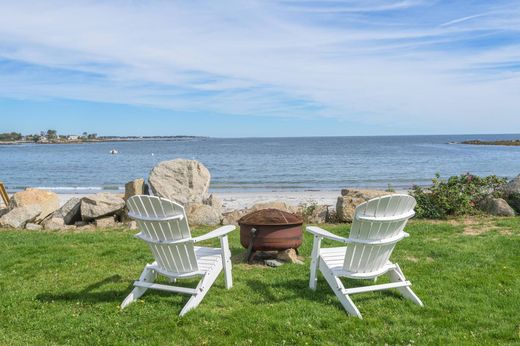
(299, 289)
(86, 294)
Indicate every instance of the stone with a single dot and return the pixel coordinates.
(87, 227)
(183, 181)
(56, 223)
(289, 256)
(314, 213)
(132, 225)
(70, 212)
(232, 217)
(99, 205)
(274, 205)
(214, 202)
(48, 201)
(351, 198)
(273, 263)
(105, 222)
(20, 216)
(513, 186)
(496, 206)
(33, 227)
(80, 223)
(3, 211)
(202, 214)
(135, 187)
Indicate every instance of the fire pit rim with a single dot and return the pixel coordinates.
(296, 220)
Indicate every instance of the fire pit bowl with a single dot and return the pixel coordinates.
(270, 230)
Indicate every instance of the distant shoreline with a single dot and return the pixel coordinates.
(512, 143)
(109, 139)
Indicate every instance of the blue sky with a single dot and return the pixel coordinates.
(260, 68)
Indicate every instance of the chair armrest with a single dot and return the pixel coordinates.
(320, 232)
(219, 232)
(142, 236)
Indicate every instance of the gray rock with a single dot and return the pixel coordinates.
(290, 256)
(87, 227)
(18, 217)
(273, 263)
(3, 211)
(70, 212)
(184, 181)
(314, 213)
(202, 214)
(232, 217)
(350, 199)
(47, 201)
(33, 227)
(135, 188)
(496, 206)
(99, 205)
(214, 202)
(56, 223)
(105, 222)
(132, 225)
(513, 186)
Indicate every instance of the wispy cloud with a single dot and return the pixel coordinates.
(379, 62)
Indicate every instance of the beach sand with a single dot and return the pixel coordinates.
(241, 200)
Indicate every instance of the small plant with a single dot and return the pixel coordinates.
(458, 195)
(306, 210)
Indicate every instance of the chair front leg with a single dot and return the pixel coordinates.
(315, 260)
(226, 261)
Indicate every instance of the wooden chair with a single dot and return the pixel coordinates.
(377, 227)
(165, 229)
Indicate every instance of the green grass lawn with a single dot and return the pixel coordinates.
(65, 288)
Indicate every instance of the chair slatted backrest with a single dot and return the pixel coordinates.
(378, 225)
(155, 218)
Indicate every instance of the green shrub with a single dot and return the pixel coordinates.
(459, 195)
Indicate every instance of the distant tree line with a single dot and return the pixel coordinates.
(50, 135)
(10, 136)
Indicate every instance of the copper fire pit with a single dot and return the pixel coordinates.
(270, 229)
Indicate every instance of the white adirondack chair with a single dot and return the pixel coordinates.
(377, 227)
(164, 227)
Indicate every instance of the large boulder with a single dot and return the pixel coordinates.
(203, 214)
(184, 181)
(351, 198)
(70, 212)
(100, 204)
(47, 201)
(496, 206)
(135, 187)
(20, 216)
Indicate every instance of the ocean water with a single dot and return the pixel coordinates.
(269, 164)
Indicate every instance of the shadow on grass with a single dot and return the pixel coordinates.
(87, 294)
(299, 289)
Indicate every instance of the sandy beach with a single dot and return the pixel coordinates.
(241, 200)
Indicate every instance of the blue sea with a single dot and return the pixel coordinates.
(266, 164)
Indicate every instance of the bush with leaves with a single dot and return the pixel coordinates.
(458, 195)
